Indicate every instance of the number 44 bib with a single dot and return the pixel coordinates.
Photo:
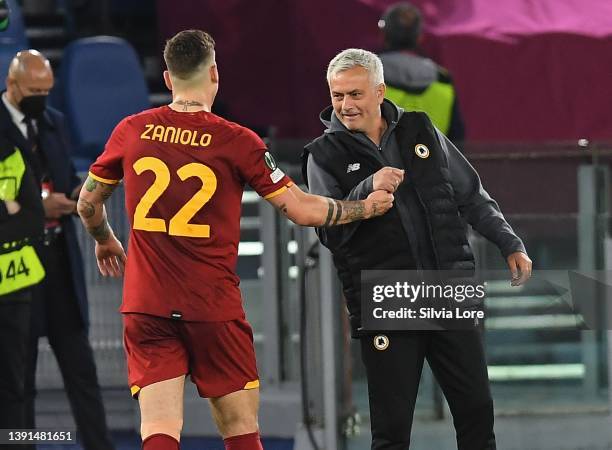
(19, 267)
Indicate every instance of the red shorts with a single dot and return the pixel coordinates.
(219, 356)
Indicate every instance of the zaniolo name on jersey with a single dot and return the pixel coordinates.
(161, 133)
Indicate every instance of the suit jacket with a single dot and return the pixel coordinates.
(54, 142)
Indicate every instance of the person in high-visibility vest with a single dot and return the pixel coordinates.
(416, 83)
(21, 222)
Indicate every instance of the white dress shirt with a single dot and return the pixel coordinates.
(17, 116)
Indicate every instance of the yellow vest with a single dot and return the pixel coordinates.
(437, 101)
(19, 263)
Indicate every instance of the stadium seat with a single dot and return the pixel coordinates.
(13, 39)
(15, 34)
(101, 82)
(6, 55)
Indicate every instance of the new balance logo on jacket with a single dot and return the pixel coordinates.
(353, 167)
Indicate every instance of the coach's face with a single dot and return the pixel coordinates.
(356, 99)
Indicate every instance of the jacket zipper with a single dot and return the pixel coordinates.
(413, 244)
(433, 244)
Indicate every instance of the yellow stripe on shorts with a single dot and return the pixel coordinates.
(251, 385)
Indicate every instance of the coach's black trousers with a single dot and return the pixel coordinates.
(458, 363)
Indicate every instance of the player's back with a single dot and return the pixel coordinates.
(184, 175)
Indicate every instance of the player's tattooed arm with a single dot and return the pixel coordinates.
(109, 252)
(86, 209)
(90, 207)
(318, 211)
(101, 232)
(106, 190)
(340, 212)
(90, 184)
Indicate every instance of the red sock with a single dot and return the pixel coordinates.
(243, 442)
(160, 441)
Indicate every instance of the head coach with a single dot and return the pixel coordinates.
(370, 143)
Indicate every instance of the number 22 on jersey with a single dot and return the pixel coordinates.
(179, 225)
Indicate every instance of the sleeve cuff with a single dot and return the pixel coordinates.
(362, 190)
(278, 191)
(369, 184)
(517, 247)
(103, 180)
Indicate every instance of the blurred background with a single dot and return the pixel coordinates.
(534, 81)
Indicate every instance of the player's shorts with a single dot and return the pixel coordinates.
(219, 356)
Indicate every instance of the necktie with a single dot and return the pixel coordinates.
(36, 157)
(32, 135)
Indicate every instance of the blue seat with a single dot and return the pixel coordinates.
(101, 82)
(7, 52)
(13, 39)
(15, 34)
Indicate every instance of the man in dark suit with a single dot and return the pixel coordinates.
(59, 309)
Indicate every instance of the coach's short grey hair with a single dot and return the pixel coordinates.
(353, 57)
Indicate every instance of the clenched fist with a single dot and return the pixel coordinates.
(388, 179)
(378, 203)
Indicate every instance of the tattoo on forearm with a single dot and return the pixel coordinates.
(338, 212)
(354, 211)
(101, 232)
(330, 212)
(107, 191)
(86, 209)
(90, 184)
(187, 103)
(374, 208)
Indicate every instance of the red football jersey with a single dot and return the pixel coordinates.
(184, 175)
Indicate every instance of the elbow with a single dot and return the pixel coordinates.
(80, 208)
(301, 212)
(307, 211)
(85, 209)
(303, 219)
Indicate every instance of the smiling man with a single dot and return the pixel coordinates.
(370, 144)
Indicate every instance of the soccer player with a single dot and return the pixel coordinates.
(184, 171)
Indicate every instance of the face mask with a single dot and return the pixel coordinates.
(33, 106)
